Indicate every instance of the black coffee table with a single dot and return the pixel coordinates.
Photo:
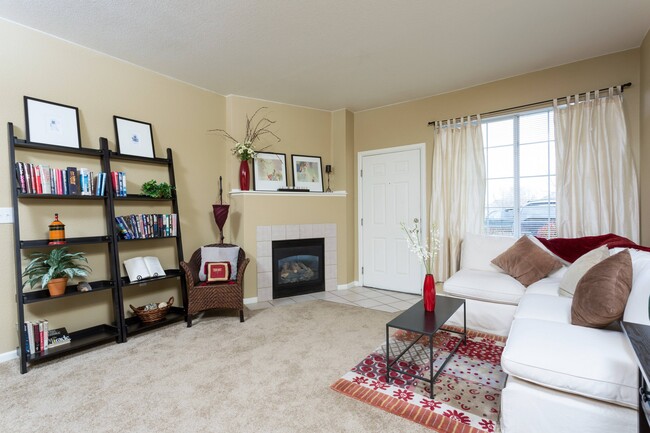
(426, 323)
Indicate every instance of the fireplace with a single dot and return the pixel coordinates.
(298, 267)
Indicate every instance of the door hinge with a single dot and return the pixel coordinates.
(362, 222)
(361, 173)
(361, 270)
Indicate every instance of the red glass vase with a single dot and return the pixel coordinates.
(244, 176)
(429, 293)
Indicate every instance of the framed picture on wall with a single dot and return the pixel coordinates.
(270, 171)
(52, 123)
(307, 172)
(133, 137)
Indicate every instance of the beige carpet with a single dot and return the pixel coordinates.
(269, 374)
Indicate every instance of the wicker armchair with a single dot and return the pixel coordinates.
(214, 295)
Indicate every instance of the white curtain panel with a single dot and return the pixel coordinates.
(597, 190)
(458, 188)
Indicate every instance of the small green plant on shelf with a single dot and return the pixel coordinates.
(53, 269)
(154, 189)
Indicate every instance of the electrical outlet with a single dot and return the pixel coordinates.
(6, 215)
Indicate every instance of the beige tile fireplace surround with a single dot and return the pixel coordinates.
(265, 235)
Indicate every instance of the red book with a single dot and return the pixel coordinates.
(39, 185)
(114, 182)
(59, 175)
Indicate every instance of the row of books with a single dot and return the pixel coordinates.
(118, 178)
(41, 179)
(38, 336)
(145, 226)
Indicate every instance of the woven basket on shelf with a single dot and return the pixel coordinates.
(152, 315)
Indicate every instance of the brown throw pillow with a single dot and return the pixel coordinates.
(601, 295)
(526, 262)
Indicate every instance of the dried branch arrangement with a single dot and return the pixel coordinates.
(245, 149)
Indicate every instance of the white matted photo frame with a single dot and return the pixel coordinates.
(307, 172)
(270, 171)
(133, 137)
(51, 123)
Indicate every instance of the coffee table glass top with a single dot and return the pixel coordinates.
(427, 322)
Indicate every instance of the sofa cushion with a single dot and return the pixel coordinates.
(580, 267)
(484, 285)
(546, 286)
(478, 250)
(543, 307)
(591, 362)
(526, 262)
(601, 295)
(636, 309)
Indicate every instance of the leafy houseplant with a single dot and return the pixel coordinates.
(55, 268)
(154, 189)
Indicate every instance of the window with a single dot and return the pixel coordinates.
(520, 165)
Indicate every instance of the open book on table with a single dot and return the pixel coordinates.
(140, 268)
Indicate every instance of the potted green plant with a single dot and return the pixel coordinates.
(53, 269)
(151, 188)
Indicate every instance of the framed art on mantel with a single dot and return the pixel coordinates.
(52, 123)
(270, 171)
(133, 137)
(307, 172)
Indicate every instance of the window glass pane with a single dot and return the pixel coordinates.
(500, 162)
(533, 128)
(500, 221)
(533, 159)
(500, 193)
(499, 133)
(534, 188)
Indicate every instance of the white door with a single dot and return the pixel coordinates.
(391, 187)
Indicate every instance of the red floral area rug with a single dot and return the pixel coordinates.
(467, 394)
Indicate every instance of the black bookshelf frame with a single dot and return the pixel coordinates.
(82, 338)
(121, 327)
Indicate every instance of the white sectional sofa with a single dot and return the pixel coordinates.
(562, 378)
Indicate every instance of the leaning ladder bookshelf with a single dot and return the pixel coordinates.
(132, 325)
(82, 338)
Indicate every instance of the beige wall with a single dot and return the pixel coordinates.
(406, 123)
(645, 140)
(100, 86)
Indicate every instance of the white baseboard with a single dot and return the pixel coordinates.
(347, 286)
(250, 300)
(8, 356)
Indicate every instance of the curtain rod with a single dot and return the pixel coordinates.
(489, 113)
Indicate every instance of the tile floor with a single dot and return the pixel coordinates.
(384, 300)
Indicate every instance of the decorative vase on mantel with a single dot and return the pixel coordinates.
(429, 293)
(244, 176)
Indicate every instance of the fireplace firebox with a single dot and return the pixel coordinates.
(298, 267)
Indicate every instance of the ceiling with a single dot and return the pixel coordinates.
(354, 54)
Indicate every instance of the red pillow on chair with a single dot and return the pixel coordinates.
(217, 271)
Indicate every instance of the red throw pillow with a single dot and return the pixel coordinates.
(217, 271)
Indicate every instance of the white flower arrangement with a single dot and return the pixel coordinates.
(244, 151)
(426, 253)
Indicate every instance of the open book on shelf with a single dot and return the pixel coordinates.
(140, 268)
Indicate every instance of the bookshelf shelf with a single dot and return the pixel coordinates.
(169, 273)
(71, 290)
(81, 339)
(140, 197)
(87, 240)
(135, 326)
(61, 196)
